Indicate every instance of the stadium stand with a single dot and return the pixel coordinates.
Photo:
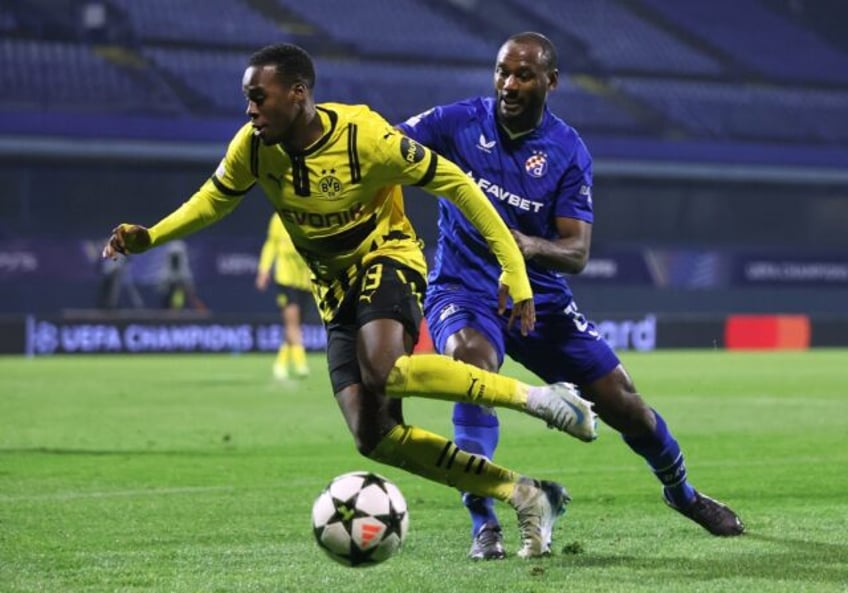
(396, 91)
(727, 70)
(759, 39)
(8, 22)
(415, 31)
(637, 45)
(747, 112)
(721, 127)
(212, 76)
(61, 76)
(188, 22)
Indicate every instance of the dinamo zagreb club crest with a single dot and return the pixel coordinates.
(537, 164)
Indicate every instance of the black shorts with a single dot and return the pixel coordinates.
(288, 295)
(383, 290)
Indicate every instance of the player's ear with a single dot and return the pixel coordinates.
(553, 79)
(300, 90)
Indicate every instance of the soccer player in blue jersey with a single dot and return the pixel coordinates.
(537, 172)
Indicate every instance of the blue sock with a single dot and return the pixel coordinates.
(664, 456)
(476, 429)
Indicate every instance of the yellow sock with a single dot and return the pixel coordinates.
(283, 355)
(441, 377)
(436, 458)
(298, 356)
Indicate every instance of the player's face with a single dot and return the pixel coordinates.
(272, 106)
(522, 82)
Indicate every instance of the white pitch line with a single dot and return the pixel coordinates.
(60, 496)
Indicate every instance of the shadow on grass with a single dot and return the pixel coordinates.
(803, 560)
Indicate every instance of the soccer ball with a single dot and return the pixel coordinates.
(360, 519)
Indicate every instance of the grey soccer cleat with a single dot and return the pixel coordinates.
(715, 517)
(561, 406)
(488, 543)
(538, 505)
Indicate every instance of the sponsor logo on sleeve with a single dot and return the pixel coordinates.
(411, 151)
(586, 192)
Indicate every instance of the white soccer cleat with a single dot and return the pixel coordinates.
(281, 372)
(538, 505)
(561, 406)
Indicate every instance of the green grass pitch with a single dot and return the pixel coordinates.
(197, 474)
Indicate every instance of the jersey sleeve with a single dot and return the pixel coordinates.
(400, 160)
(217, 197)
(424, 127)
(406, 162)
(574, 198)
(236, 173)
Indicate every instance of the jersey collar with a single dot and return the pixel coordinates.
(512, 136)
(329, 119)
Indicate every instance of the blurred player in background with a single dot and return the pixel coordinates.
(291, 275)
(115, 278)
(333, 173)
(175, 280)
(537, 173)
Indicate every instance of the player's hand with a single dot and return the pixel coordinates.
(262, 280)
(524, 310)
(126, 239)
(526, 244)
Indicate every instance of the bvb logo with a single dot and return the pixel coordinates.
(329, 185)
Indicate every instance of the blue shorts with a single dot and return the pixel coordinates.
(564, 346)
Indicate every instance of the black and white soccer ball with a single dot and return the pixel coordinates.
(360, 519)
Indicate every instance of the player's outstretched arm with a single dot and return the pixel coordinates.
(452, 183)
(202, 209)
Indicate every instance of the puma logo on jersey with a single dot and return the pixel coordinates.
(485, 145)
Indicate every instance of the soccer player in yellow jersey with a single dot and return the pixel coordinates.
(291, 275)
(333, 174)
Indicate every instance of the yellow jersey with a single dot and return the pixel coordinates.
(279, 251)
(340, 200)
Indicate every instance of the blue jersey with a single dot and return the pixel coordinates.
(531, 180)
